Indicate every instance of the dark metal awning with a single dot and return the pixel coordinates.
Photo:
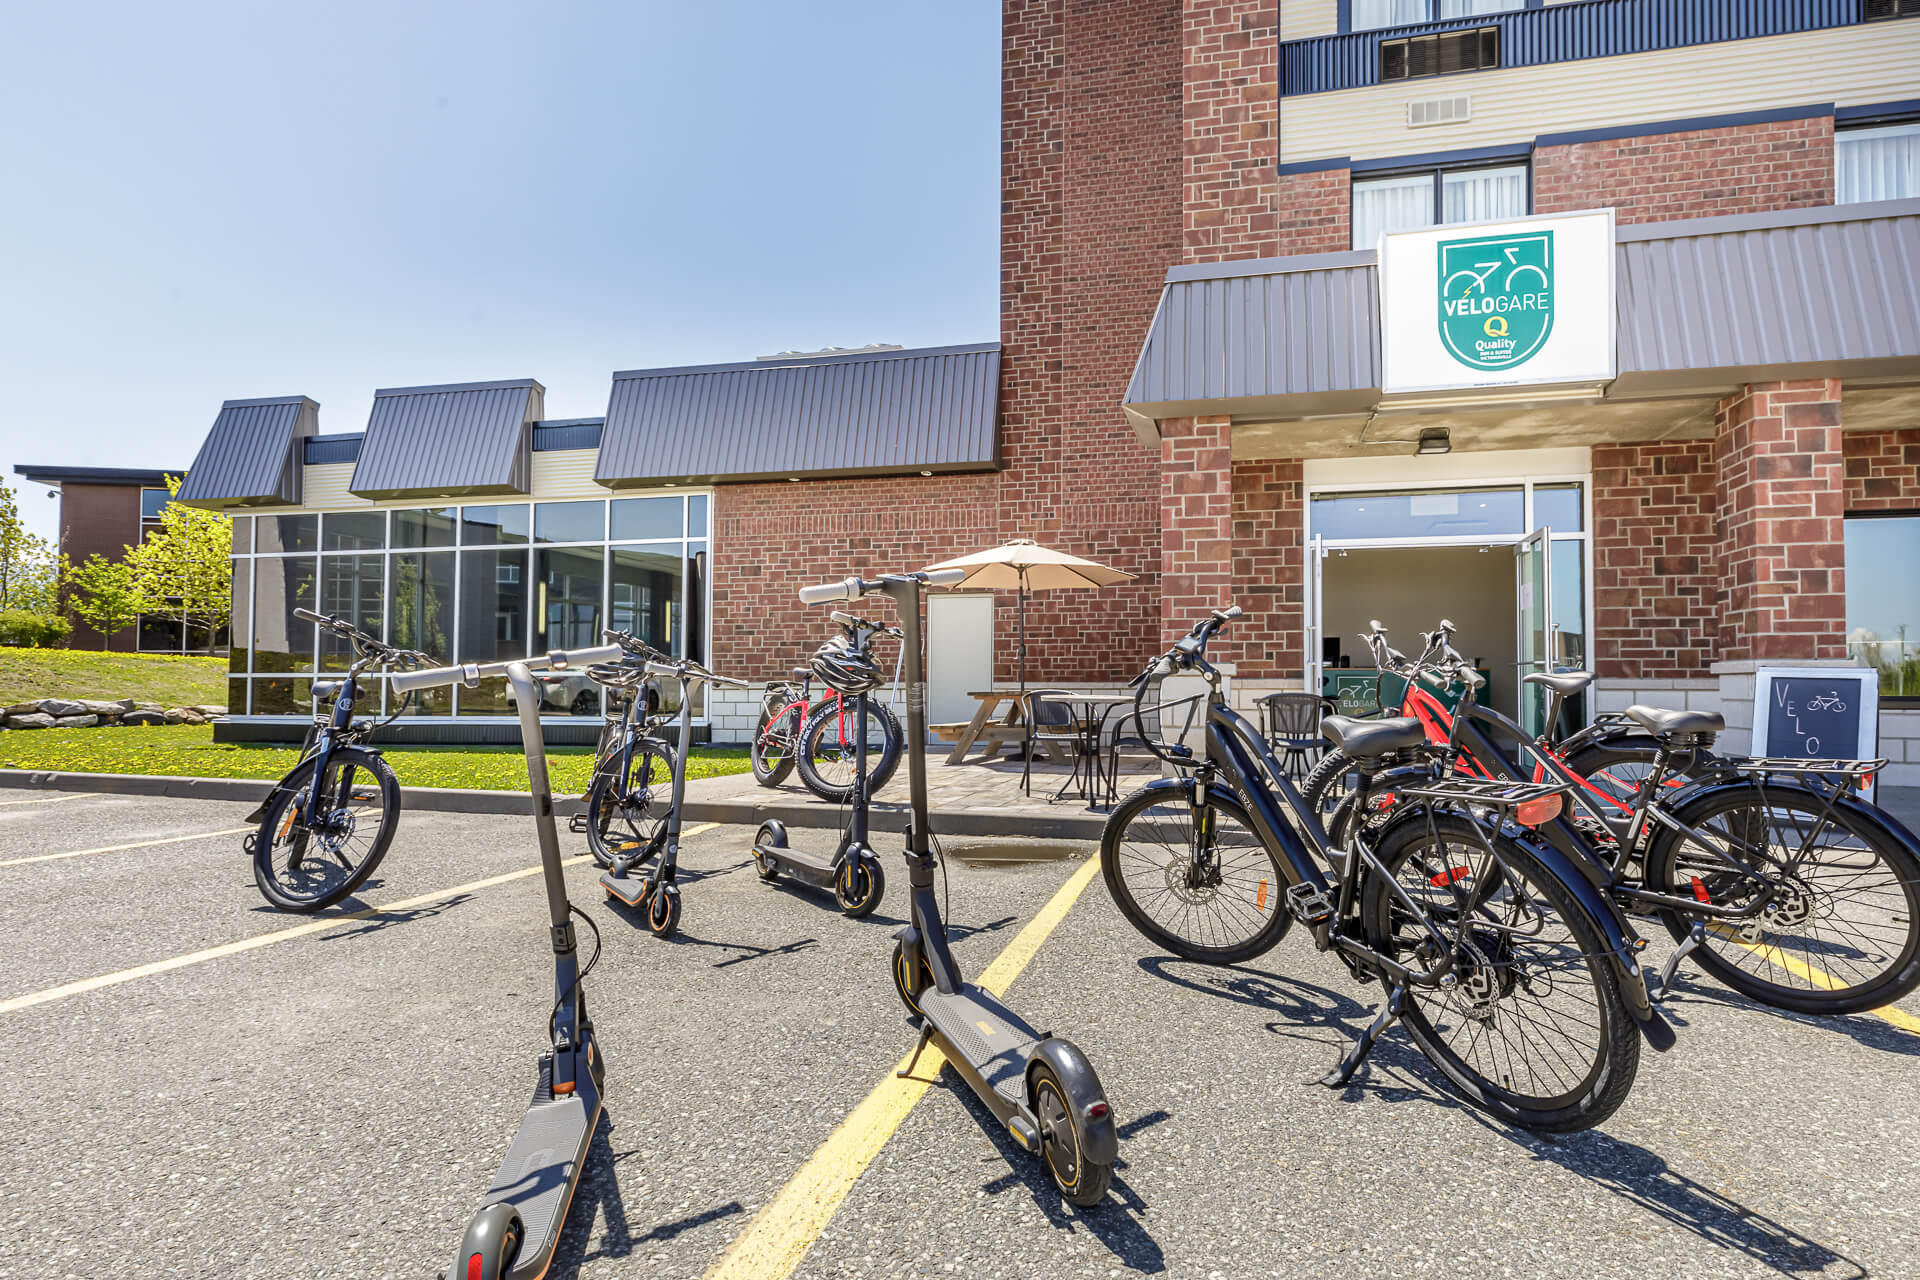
(1702, 306)
(251, 456)
(865, 413)
(455, 440)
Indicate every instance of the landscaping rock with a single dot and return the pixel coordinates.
(210, 710)
(143, 717)
(105, 710)
(176, 715)
(75, 722)
(24, 709)
(30, 720)
(149, 706)
(57, 707)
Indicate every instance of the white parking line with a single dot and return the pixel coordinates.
(121, 848)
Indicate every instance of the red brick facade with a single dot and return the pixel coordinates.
(1269, 527)
(1316, 212)
(1231, 137)
(1780, 497)
(1655, 558)
(1787, 164)
(1883, 470)
(1196, 521)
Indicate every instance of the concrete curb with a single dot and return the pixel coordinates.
(887, 816)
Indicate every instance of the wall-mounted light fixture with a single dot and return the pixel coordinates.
(1435, 440)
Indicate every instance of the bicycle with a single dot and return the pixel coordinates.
(632, 766)
(822, 737)
(313, 847)
(1510, 971)
(1773, 874)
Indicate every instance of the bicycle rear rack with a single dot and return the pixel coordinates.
(1495, 793)
(1853, 770)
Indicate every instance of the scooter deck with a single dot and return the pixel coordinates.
(540, 1170)
(991, 1037)
(807, 864)
(630, 889)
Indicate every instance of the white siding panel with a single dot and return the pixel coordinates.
(1847, 66)
(566, 473)
(323, 487)
(1300, 19)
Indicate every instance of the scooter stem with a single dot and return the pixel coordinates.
(527, 698)
(905, 592)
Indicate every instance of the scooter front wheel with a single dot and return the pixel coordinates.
(663, 912)
(1063, 1143)
(860, 886)
(910, 986)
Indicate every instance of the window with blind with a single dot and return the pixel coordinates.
(1370, 15)
(1881, 163)
(1408, 202)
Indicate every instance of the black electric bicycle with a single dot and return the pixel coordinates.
(627, 800)
(1036, 1083)
(846, 666)
(325, 826)
(1772, 873)
(513, 1235)
(656, 894)
(1512, 973)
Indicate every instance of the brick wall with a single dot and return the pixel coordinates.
(1316, 213)
(1655, 557)
(1231, 138)
(1883, 470)
(1196, 521)
(1779, 500)
(1269, 519)
(1787, 164)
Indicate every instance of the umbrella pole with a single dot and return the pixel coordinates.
(1026, 712)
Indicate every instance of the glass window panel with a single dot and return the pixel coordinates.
(283, 697)
(1390, 204)
(1370, 14)
(492, 526)
(493, 622)
(1483, 195)
(1474, 8)
(1567, 565)
(282, 642)
(649, 586)
(424, 527)
(437, 701)
(1883, 600)
(353, 589)
(697, 601)
(638, 518)
(697, 515)
(420, 602)
(242, 615)
(242, 535)
(1557, 507)
(1461, 513)
(353, 531)
(567, 616)
(236, 697)
(569, 522)
(160, 633)
(1876, 164)
(288, 533)
(151, 500)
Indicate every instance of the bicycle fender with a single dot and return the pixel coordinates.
(1101, 1138)
(1863, 811)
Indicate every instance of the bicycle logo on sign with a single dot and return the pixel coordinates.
(1826, 702)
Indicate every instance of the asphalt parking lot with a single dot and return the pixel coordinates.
(197, 1086)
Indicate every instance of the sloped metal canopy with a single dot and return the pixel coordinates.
(454, 440)
(251, 456)
(867, 413)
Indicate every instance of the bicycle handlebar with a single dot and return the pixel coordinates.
(363, 644)
(472, 673)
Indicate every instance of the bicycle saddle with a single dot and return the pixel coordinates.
(1363, 738)
(1566, 682)
(1661, 723)
(801, 673)
(324, 690)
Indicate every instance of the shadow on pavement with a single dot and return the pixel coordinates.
(598, 1198)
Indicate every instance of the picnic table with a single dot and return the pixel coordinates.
(985, 729)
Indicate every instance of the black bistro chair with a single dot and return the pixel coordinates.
(1047, 721)
(1291, 722)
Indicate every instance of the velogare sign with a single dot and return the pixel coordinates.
(1518, 303)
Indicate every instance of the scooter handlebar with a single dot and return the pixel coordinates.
(854, 588)
(470, 673)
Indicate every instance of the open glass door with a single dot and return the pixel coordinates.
(1534, 617)
(1316, 646)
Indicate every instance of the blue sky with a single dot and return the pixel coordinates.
(212, 201)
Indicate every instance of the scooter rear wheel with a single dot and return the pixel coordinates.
(860, 886)
(771, 832)
(491, 1244)
(1063, 1143)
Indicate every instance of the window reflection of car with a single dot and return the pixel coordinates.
(575, 693)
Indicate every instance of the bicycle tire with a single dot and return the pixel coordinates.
(1474, 1004)
(1789, 939)
(1255, 903)
(281, 832)
(771, 767)
(837, 786)
(633, 809)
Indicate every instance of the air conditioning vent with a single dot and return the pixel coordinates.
(1440, 55)
(1439, 111)
(1877, 9)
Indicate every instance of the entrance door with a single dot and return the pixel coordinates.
(959, 655)
(1533, 647)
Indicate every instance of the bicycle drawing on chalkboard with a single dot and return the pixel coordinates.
(1826, 702)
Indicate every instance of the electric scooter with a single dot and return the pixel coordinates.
(513, 1236)
(1039, 1085)
(656, 894)
(853, 872)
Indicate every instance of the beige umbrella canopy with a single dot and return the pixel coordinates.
(1024, 565)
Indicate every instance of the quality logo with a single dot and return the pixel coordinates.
(1496, 298)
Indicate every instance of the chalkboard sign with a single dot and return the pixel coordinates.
(1810, 713)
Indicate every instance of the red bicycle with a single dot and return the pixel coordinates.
(822, 737)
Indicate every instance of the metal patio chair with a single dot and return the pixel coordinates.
(1052, 722)
(1291, 722)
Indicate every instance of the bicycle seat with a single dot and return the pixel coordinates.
(1561, 682)
(801, 673)
(1361, 738)
(1662, 723)
(325, 690)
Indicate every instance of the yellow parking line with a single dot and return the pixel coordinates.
(122, 848)
(1820, 978)
(780, 1234)
(85, 985)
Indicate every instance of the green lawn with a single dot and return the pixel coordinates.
(190, 751)
(27, 675)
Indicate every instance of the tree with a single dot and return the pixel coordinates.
(185, 568)
(102, 593)
(29, 566)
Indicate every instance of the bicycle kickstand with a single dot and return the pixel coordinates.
(1696, 938)
(1389, 1014)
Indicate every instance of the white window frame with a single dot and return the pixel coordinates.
(1437, 175)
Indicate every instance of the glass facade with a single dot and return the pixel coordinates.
(466, 584)
(1883, 599)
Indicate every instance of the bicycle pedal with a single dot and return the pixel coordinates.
(1309, 905)
(578, 824)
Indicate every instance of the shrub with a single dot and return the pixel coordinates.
(24, 629)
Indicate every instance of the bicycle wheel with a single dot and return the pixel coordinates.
(306, 868)
(1840, 935)
(625, 813)
(1222, 907)
(1534, 1030)
(775, 739)
(1616, 767)
(830, 743)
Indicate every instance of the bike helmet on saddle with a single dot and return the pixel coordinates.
(846, 670)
